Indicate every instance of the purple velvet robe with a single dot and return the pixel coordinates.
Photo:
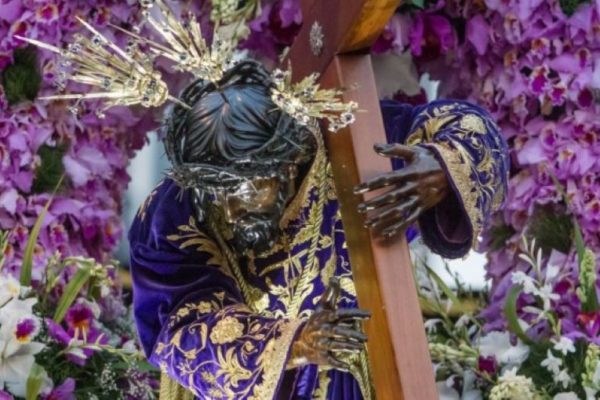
(222, 325)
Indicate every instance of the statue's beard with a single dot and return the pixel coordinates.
(255, 232)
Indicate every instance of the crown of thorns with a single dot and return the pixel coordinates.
(292, 143)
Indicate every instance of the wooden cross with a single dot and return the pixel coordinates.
(334, 41)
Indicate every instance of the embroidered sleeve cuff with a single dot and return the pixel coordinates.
(452, 227)
(276, 360)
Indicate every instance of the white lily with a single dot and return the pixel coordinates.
(16, 364)
(564, 345)
(18, 326)
(552, 363)
(521, 278)
(547, 294)
(563, 378)
(9, 288)
(566, 396)
(498, 344)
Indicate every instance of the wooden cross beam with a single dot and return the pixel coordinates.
(334, 41)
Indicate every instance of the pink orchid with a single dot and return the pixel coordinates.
(431, 35)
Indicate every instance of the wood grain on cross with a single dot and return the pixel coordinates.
(341, 32)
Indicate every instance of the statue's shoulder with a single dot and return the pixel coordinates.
(164, 209)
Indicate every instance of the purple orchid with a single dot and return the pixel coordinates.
(64, 391)
(487, 365)
(536, 70)
(81, 330)
(431, 35)
(275, 28)
(5, 396)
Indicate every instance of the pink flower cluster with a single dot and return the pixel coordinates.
(84, 218)
(536, 70)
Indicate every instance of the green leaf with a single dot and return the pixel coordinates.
(510, 312)
(579, 242)
(587, 282)
(418, 3)
(21, 80)
(72, 290)
(552, 229)
(500, 235)
(145, 366)
(140, 365)
(3, 246)
(51, 169)
(27, 265)
(34, 382)
(570, 6)
(442, 285)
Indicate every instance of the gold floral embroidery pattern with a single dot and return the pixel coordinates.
(238, 368)
(473, 123)
(460, 173)
(475, 181)
(276, 359)
(301, 268)
(302, 197)
(311, 258)
(323, 388)
(191, 235)
(438, 118)
(226, 330)
(141, 214)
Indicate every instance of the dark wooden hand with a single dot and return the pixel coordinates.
(420, 185)
(329, 332)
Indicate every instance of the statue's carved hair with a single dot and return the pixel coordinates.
(232, 120)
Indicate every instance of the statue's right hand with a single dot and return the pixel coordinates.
(329, 332)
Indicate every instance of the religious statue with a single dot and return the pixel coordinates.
(242, 280)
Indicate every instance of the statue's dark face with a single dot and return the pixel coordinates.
(237, 150)
(254, 208)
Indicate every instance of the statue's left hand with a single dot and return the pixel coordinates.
(420, 185)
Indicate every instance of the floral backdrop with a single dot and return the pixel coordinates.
(40, 140)
(88, 350)
(534, 64)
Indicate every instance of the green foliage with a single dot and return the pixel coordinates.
(576, 367)
(510, 312)
(552, 230)
(441, 285)
(412, 5)
(570, 6)
(27, 264)
(3, 246)
(587, 282)
(34, 382)
(21, 80)
(532, 368)
(500, 234)
(592, 357)
(72, 291)
(48, 174)
(104, 372)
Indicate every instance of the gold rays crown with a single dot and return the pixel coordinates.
(128, 77)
